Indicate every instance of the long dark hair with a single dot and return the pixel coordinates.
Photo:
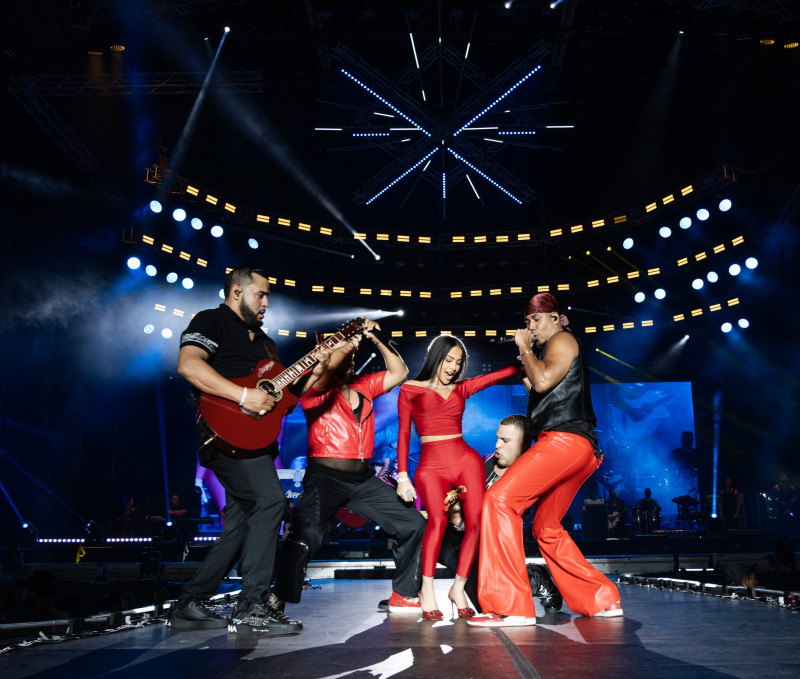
(437, 351)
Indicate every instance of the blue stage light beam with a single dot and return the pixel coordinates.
(486, 177)
(162, 436)
(497, 101)
(405, 174)
(11, 502)
(386, 102)
(188, 129)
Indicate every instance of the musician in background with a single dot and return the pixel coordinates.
(218, 344)
(341, 440)
(647, 503)
(616, 509)
(730, 503)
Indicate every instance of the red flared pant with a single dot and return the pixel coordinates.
(444, 465)
(550, 474)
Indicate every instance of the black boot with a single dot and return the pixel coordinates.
(543, 586)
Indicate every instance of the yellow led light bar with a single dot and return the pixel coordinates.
(148, 239)
(590, 329)
(405, 293)
(178, 313)
(425, 295)
(289, 282)
(386, 293)
(425, 240)
(317, 288)
(668, 199)
(715, 307)
(360, 236)
(700, 256)
(167, 248)
(686, 190)
(365, 291)
(501, 239)
(576, 229)
(284, 333)
(738, 240)
(719, 248)
(382, 236)
(612, 279)
(272, 280)
(495, 291)
(593, 284)
(733, 302)
(523, 236)
(634, 274)
(230, 208)
(202, 262)
(403, 239)
(459, 239)
(678, 317)
(479, 239)
(185, 255)
(563, 286)
(697, 312)
(284, 222)
(211, 200)
(476, 293)
(397, 333)
(620, 219)
(491, 333)
(515, 289)
(608, 328)
(264, 219)
(683, 261)
(651, 207)
(542, 288)
(628, 325)
(304, 227)
(192, 190)
(301, 333)
(160, 307)
(325, 231)
(469, 333)
(556, 232)
(598, 223)
(338, 289)
(421, 333)
(647, 324)
(654, 272)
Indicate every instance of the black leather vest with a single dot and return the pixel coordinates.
(569, 401)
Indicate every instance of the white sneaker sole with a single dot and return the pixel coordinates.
(510, 621)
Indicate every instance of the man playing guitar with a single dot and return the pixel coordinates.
(219, 344)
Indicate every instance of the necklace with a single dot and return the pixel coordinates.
(436, 386)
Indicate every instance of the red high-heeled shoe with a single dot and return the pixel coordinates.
(462, 612)
(435, 614)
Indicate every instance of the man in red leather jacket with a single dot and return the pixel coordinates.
(341, 438)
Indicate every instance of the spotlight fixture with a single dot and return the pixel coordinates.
(150, 270)
(222, 293)
(217, 231)
(726, 327)
(196, 223)
(639, 297)
(725, 205)
(702, 214)
(660, 293)
(172, 277)
(744, 323)
(187, 283)
(155, 206)
(734, 269)
(149, 328)
(627, 244)
(253, 243)
(227, 29)
(697, 283)
(712, 277)
(179, 214)
(166, 333)
(134, 263)
(665, 232)
(751, 262)
(685, 223)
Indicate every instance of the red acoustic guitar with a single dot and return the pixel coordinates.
(242, 433)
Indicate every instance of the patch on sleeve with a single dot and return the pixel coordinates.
(199, 340)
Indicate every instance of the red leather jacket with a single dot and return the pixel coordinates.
(333, 430)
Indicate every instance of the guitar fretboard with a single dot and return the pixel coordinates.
(299, 367)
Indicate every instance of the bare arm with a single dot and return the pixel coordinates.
(194, 367)
(546, 374)
(396, 369)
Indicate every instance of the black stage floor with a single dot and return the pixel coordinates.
(663, 634)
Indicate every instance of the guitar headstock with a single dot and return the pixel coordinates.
(352, 327)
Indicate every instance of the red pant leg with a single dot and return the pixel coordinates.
(472, 475)
(551, 472)
(432, 481)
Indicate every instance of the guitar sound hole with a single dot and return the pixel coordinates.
(271, 389)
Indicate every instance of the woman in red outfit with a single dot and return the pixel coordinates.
(561, 420)
(435, 400)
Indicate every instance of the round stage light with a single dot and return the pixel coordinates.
(702, 214)
(639, 297)
(734, 269)
(172, 277)
(660, 293)
(685, 223)
(697, 283)
(627, 244)
(227, 29)
(665, 232)
(744, 323)
(401, 313)
(726, 327)
(150, 270)
(751, 262)
(196, 223)
(217, 231)
(134, 263)
(253, 243)
(222, 293)
(725, 205)
(179, 214)
(712, 277)
(187, 283)
(166, 333)
(155, 206)
(149, 329)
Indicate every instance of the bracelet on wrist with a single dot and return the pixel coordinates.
(530, 351)
(244, 396)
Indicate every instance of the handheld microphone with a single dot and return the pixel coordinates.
(502, 340)
(384, 338)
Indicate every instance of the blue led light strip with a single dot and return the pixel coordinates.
(381, 99)
(486, 177)
(500, 98)
(444, 185)
(410, 169)
(370, 134)
(518, 132)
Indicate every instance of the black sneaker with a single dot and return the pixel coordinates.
(195, 615)
(262, 619)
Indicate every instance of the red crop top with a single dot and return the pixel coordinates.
(435, 415)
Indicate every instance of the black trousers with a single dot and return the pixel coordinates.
(253, 513)
(448, 557)
(323, 495)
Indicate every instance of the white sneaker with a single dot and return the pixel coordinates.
(612, 611)
(495, 620)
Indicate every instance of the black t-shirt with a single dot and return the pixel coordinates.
(226, 338)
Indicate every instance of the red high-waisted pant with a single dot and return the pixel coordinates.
(444, 465)
(549, 474)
